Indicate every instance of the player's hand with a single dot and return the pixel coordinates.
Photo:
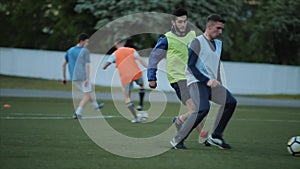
(64, 82)
(152, 84)
(213, 83)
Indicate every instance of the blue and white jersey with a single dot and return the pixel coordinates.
(203, 60)
(77, 58)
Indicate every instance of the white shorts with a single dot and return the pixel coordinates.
(80, 86)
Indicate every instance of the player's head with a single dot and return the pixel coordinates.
(214, 26)
(119, 42)
(179, 20)
(83, 39)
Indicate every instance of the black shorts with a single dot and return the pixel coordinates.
(181, 90)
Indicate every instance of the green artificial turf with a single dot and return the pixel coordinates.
(40, 133)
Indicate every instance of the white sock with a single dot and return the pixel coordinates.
(79, 110)
(95, 104)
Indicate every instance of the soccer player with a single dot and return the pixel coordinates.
(78, 60)
(129, 72)
(204, 83)
(173, 47)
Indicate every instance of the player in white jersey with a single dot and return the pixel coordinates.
(203, 80)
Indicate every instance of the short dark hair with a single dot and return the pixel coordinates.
(215, 18)
(179, 12)
(83, 37)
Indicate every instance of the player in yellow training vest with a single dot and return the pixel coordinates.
(174, 47)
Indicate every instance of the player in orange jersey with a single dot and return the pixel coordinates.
(126, 62)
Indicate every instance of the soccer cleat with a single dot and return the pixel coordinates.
(177, 145)
(180, 146)
(77, 116)
(178, 126)
(136, 120)
(219, 142)
(206, 143)
(101, 105)
(139, 107)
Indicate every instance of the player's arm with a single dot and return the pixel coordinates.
(87, 67)
(140, 59)
(219, 65)
(157, 54)
(110, 60)
(106, 65)
(64, 66)
(219, 73)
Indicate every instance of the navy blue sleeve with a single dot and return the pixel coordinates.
(193, 51)
(157, 54)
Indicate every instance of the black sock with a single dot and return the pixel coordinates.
(142, 94)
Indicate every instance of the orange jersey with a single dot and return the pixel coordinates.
(127, 66)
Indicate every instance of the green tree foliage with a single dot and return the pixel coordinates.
(264, 31)
(49, 24)
(107, 11)
(269, 32)
(279, 20)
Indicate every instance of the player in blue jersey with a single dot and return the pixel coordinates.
(78, 60)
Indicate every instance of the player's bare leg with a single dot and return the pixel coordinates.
(86, 98)
(130, 106)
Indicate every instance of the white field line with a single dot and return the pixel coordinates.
(57, 117)
(51, 117)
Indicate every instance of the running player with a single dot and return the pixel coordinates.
(129, 72)
(204, 83)
(78, 60)
(173, 47)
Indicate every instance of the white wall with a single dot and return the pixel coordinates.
(241, 78)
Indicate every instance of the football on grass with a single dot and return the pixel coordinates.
(293, 146)
(143, 115)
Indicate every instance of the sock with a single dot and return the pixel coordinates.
(179, 119)
(214, 135)
(95, 104)
(130, 106)
(79, 110)
(142, 94)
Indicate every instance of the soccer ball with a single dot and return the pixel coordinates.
(293, 146)
(143, 116)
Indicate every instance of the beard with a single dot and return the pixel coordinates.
(181, 31)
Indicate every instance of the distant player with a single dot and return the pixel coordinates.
(78, 60)
(129, 72)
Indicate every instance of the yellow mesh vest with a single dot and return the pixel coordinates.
(177, 55)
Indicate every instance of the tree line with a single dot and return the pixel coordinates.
(261, 31)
